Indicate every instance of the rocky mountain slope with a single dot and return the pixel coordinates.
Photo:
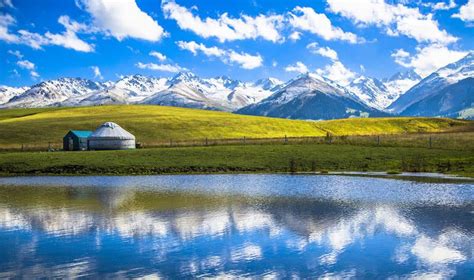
(310, 96)
(435, 83)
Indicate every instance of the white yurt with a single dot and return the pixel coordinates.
(110, 136)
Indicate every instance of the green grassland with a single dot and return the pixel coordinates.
(154, 124)
(405, 144)
(241, 158)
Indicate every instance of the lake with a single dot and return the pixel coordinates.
(256, 226)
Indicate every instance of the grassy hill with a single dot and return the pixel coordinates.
(152, 124)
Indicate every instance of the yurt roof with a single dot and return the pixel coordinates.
(110, 130)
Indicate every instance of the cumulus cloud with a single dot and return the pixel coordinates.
(441, 5)
(122, 19)
(158, 55)
(97, 73)
(295, 36)
(427, 59)
(395, 19)
(28, 65)
(225, 28)
(337, 72)
(67, 39)
(323, 51)
(161, 67)
(194, 48)
(6, 21)
(306, 19)
(244, 60)
(298, 67)
(466, 12)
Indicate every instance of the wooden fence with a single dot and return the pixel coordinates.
(453, 141)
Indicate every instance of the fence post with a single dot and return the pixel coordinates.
(431, 142)
(378, 140)
(244, 139)
(22, 148)
(286, 139)
(206, 141)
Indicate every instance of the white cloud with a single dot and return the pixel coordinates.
(427, 59)
(466, 12)
(33, 40)
(6, 21)
(158, 55)
(122, 19)
(6, 3)
(441, 5)
(69, 39)
(28, 65)
(194, 48)
(16, 53)
(395, 19)
(323, 51)
(226, 28)
(161, 67)
(34, 74)
(244, 60)
(298, 67)
(97, 73)
(306, 19)
(337, 72)
(295, 36)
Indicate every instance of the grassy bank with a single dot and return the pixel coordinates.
(153, 125)
(242, 158)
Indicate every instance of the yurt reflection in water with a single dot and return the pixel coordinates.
(110, 136)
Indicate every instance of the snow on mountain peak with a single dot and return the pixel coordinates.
(435, 82)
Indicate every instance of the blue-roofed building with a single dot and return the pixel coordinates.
(76, 140)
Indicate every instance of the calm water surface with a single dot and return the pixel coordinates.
(275, 226)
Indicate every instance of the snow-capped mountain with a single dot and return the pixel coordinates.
(372, 91)
(187, 90)
(310, 96)
(7, 93)
(400, 83)
(220, 93)
(52, 92)
(435, 83)
(456, 101)
(268, 83)
(183, 90)
(380, 94)
(129, 89)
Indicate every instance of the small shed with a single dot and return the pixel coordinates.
(76, 140)
(110, 136)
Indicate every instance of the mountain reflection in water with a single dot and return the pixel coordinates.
(206, 226)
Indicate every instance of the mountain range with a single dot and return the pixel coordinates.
(446, 92)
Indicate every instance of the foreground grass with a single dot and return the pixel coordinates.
(241, 158)
(155, 124)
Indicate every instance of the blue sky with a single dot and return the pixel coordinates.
(245, 39)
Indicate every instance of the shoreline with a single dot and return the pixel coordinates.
(426, 177)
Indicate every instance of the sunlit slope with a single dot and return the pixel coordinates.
(159, 123)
